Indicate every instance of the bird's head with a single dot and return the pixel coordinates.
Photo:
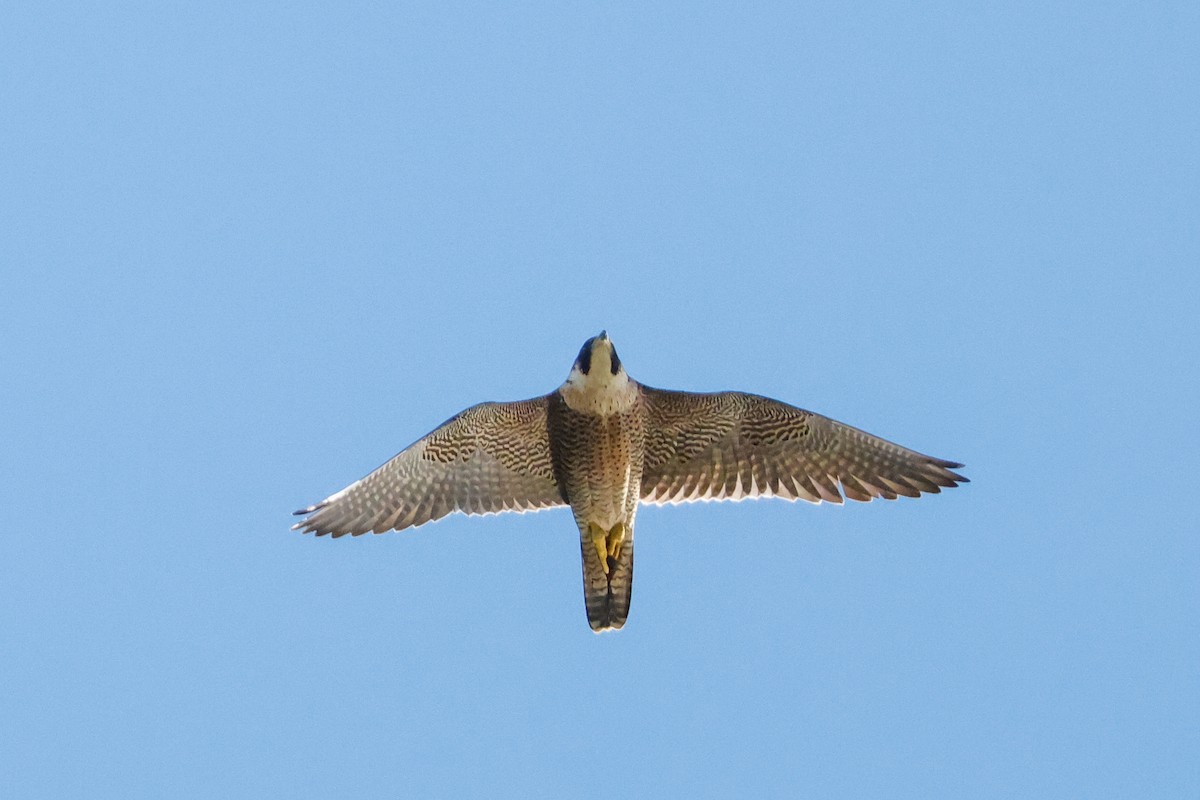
(597, 364)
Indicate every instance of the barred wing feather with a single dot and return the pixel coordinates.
(734, 446)
(493, 457)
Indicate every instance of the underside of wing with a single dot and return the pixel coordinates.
(734, 446)
(493, 457)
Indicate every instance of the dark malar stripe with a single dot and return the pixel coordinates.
(584, 359)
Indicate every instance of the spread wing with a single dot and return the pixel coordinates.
(492, 457)
(732, 446)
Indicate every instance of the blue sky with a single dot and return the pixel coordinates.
(250, 252)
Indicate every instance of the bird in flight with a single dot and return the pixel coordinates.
(602, 443)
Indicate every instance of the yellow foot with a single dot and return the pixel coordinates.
(599, 541)
(616, 539)
(608, 544)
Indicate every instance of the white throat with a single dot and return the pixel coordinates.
(599, 392)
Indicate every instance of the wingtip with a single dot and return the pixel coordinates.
(305, 525)
(959, 478)
(950, 466)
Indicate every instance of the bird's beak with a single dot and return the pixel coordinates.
(603, 336)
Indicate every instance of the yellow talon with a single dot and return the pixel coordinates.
(599, 542)
(608, 544)
(616, 540)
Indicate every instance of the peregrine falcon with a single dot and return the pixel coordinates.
(602, 443)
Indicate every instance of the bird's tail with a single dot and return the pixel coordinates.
(607, 574)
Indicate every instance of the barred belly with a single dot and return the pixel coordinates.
(598, 461)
